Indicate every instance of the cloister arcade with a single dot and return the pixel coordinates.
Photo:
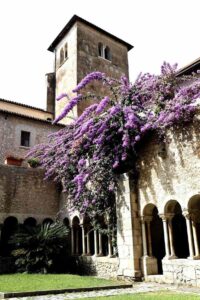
(170, 234)
(9, 226)
(83, 239)
(87, 241)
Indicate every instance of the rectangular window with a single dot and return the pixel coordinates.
(25, 138)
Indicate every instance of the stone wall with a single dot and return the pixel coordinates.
(24, 193)
(82, 42)
(170, 171)
(181, 271)
(10, 134)
(66, 73)
(104, 267)
(88, 59)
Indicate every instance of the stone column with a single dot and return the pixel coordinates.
(129, 231)
(77, 240)
(95, 243)
(148, 221)
(189, 233)
(109, 246)
(83, 240)
(171, 242)
(149, 263)
(144, 238)
(166, 237)
(196, 246)
(72, 241)
(88, 243)
(100, 245)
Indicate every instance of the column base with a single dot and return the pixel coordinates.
(99, 255)
(170, 257)
(193, 257)
(149, 265)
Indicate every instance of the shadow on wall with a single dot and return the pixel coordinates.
(168, 160)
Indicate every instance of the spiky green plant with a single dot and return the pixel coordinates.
(37, 247)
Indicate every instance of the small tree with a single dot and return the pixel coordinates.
(37, 247)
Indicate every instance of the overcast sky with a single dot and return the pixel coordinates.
(159, 30)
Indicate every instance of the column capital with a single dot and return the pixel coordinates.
(148, 219)
(169, 216)
(163, 217)
(186, 214)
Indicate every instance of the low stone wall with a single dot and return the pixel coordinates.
(182, 271)
(104, 267)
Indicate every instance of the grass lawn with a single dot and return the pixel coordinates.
(33, 282)
(150, 296)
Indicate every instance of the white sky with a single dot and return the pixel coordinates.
(159, 30)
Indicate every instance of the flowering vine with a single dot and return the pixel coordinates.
(87, 155)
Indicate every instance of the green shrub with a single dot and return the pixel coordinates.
(34, 162)
(36, 248)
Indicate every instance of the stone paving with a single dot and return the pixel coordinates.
(137, 288)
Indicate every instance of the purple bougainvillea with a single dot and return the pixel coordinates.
(87, 155)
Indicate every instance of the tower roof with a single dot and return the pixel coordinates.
(72, 21)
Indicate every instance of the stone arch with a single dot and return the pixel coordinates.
(30, 222)
(76, 237)
(88, 236)
(194, 219)
(154, 235)
(66, 222)
(47, 221)
(177, 230)
(10, 227)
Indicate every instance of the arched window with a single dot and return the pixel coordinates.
(104, 51)
(100, 50)
(61, 56)
(107, 53)
(66, 51)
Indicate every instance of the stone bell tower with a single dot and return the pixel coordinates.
(81, 48)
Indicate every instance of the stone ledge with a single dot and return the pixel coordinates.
(62, 291)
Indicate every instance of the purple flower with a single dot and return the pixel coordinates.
(102, 105)
(116, 164)
(90, 77)
(61, 96)
(114, 110)
(146, 127)
(86, 113)
(81, 162)
(73, 102)
(137, 138)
